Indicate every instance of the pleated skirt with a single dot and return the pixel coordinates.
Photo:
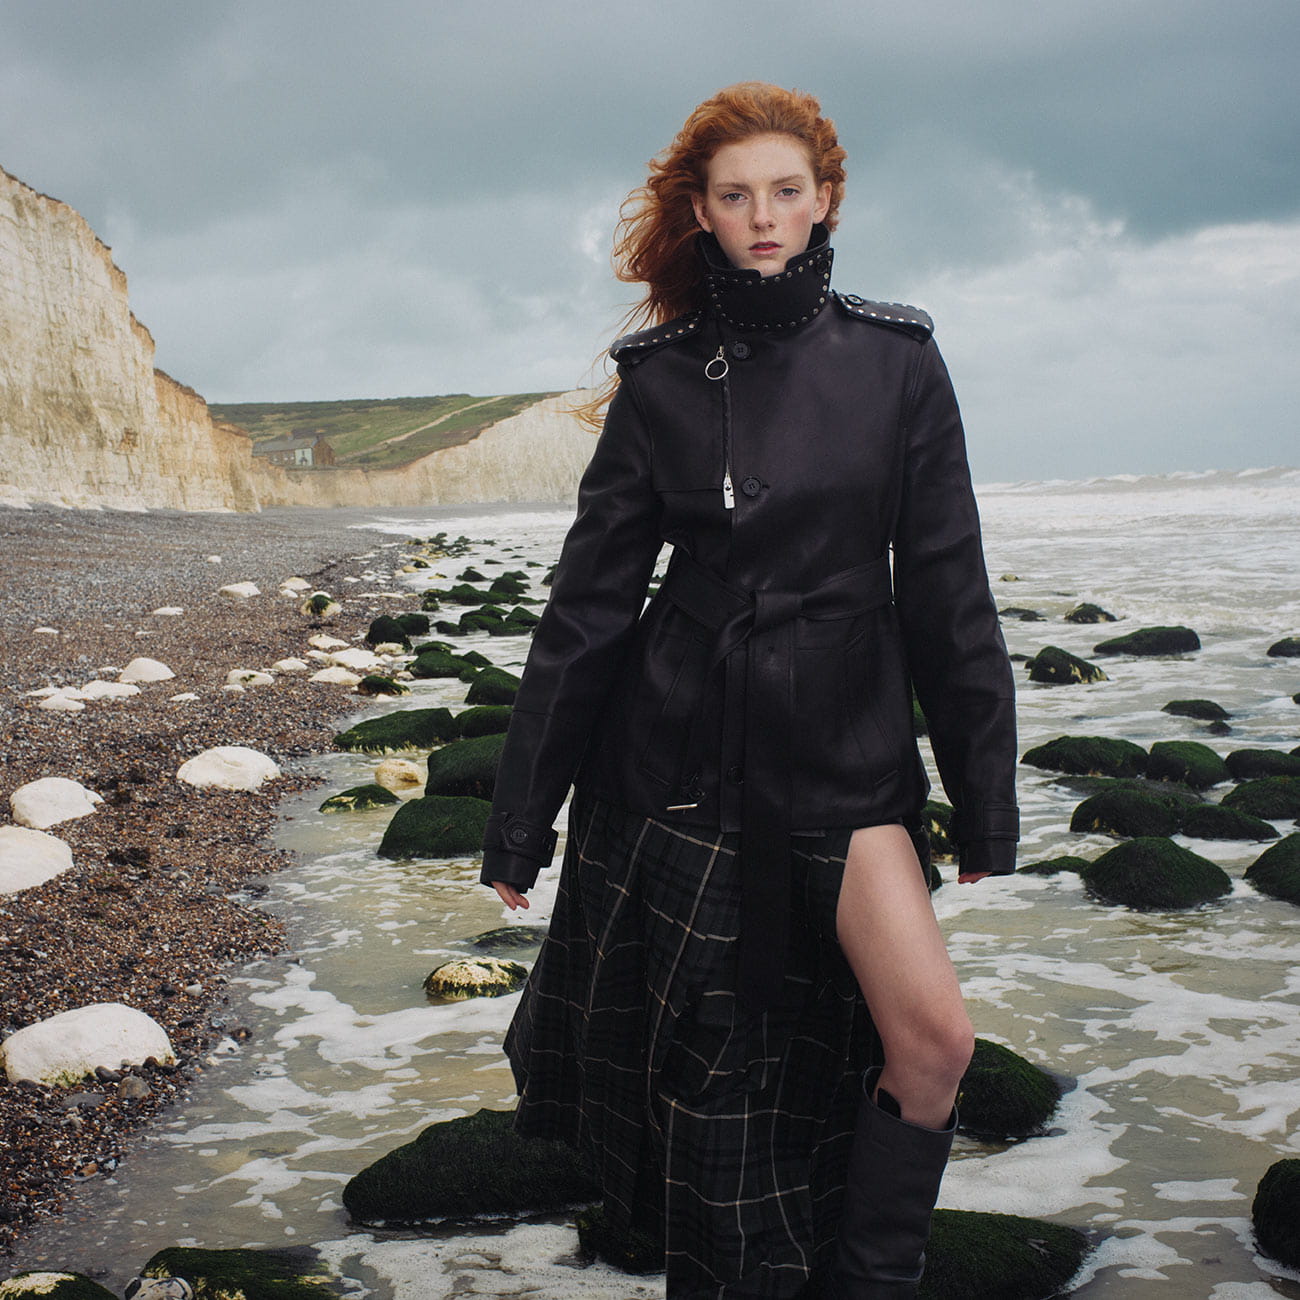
(722, 1130)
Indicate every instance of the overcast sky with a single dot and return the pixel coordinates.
(1098, 201)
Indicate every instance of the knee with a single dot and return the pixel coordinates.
(939, 1050)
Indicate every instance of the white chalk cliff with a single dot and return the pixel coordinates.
(86, 420)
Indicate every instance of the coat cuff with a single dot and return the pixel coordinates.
(509, 869)
(515, 850)
(997, 857)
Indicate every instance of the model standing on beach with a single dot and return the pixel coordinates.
(746, 872)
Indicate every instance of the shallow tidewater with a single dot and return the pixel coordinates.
(1181, 1031)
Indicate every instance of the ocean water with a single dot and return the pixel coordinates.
(1179, 1032)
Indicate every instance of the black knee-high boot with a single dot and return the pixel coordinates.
(893, 1182)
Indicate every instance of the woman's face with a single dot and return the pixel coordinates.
(761, 201)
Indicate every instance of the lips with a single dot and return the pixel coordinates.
(764, 248)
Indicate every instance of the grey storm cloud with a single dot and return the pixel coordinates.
(318, 198)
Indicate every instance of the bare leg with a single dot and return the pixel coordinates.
(887, 930)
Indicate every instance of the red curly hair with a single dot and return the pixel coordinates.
(654, 244)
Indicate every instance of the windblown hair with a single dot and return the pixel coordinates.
(654, 243)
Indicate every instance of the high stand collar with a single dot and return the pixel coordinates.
(773, 303)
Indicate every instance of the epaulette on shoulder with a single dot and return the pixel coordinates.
(632, 348)
(898, 315)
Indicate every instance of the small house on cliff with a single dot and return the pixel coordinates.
(303, 451)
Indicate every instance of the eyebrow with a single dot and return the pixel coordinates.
(740, 185)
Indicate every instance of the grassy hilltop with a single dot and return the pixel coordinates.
(377, 432)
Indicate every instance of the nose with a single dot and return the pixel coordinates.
(761, 215)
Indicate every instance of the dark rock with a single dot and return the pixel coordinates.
(1153, 873)
(493, 686)
(474, 977)
(1058, 667)
(385, 631)
(430, 602)
(54, 1285)
(549, 576)
(1275, 1212)
(1151, 641)
(484, 720)
(936, 817)
(471, 574)
(1245, 764)
(463, 594)
(1089, 755)
(1054, 866)
(401, 729)
(630, 1248)
(443, 628)
(521, 615)
(1276, 872)
(413, 624)
(1003, 1095)
(1124, 812)
(466, 767)
(1270, 797)
(1187, 761)
(357, 798)
(1202, 710)
(435, 826)
(1212, 821)
(1021, 615)
(976, 1256)
(438, 663)
(468, 1166)
(1172, 794)
(1086, 613)
(510, 938)
(507, 587)
(251, 1274)
(1217, 728)
(1287, 648)
(374, 684)
(480, 622)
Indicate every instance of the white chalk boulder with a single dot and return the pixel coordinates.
(102, 690)
(356, 658)
(169, 611)
(65, 1048)
(60, 703)
(323, 642)
(290, 665)
(248, 677)
(51, 800)
(404, 778)
(292, 586)
(239, 590)
(46, 631)
(335, 676)
(182, 698)
(29, 858)
(145, 670)
(230, 767)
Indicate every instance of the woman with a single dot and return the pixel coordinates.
(746, 872)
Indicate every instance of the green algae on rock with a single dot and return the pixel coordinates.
(386, 630)
(1287, 648)
(977, 1256)
(376, 684)
(1003, 1095)
(1202, 710)
(1124, 812)
(474, 977)
(1089, 613)
(1187, 761)
(1088, 756)
(293, 1274)
(493, 686)
(1212, 821)
(509, 938)
(435, 826)
(466, 766)
(1021, 615)
(483, 720)
(474, 1165)
(1270, 797)
(438, 662)
(1151, 641)
(399, 730)
(53, 1285)
(1056, 667)
(1275, 1212)
(357, 798)
(1153, 873)
(632, 1249)
(1054, 866)
(1276, 872)
(1247, 764)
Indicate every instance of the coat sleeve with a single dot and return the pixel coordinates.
(955, 651)
(597, 594)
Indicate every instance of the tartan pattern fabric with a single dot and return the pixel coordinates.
(725, 1131)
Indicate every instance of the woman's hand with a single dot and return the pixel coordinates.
(967, 878)
(509, 895)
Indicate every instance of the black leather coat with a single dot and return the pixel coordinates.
(786, 441)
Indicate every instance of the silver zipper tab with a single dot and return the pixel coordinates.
(728, 492)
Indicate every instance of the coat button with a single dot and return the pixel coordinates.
(751, 487)
(517, 835)
(740, 350)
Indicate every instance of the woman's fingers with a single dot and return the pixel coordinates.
(509, 895)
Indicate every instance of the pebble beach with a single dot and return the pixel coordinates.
(158, 904)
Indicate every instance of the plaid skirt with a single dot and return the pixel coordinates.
(723, 1131)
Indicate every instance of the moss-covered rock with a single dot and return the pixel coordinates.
(1124, 812)
(481, 622)
(466, 766)
(401, 729)
(430, 602)
(1212, 821)
(1057, 667)
(1272, 797)
(1089, 755)
(249, 1274)
(1275, 1212)
(52, 1285)
(1287, 648)
(357, 798)
(628, 1247)
(1019, 614)
(1089, 613)
(474, 1165)
(386, 630)
(1187, 761)
(438, 663)
(483, 720)
(474, 977)
(493, 686)
(443, 628)
(463, 594)
(526, 617)
(1245, 764)
(1276, 872)
(1054, 866)
(976, 1256)
(376, 684)
(1151, 641)
(509, 938)
(507, 586)
(1003, 1095)
(413, 624)
(936, 817)
(1201, 710)
(1154, 873)
(436, 826)
(471, 574)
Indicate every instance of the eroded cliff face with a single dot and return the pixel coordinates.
(85, 420)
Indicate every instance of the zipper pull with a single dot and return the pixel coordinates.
(728, 492)
(719, 361)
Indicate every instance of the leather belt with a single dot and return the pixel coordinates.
(765, 621)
